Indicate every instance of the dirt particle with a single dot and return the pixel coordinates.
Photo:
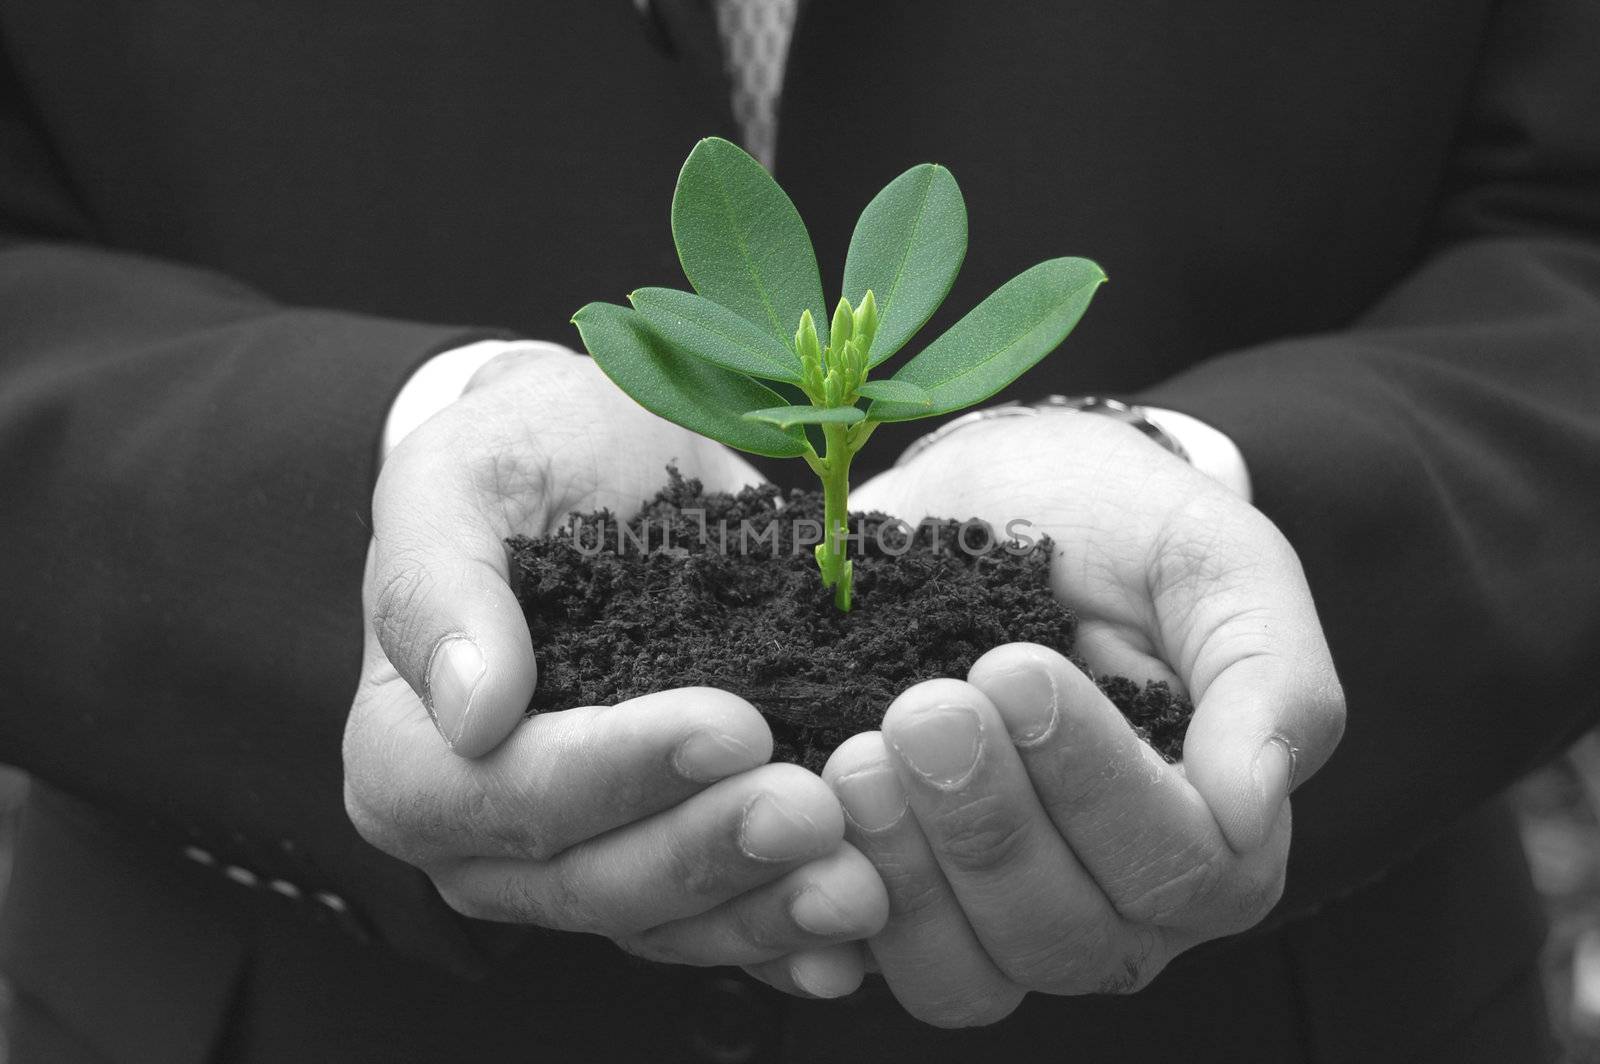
(610, 625)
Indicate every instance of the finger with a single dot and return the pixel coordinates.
(835, 898)
(928, 953)
(820, 972)
(560, 779)
(437, 594)
(1039, 914)
(639, 444)
(1268, 707)
(1263, 726)
(732, 837)
(726, 470)
(1114, 649)
(1139, 827)
(880, 493)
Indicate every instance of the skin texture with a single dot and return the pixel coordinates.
(663, 829)
(1000, 834)
(1027, 839)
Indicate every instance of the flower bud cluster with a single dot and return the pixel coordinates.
(831, 376)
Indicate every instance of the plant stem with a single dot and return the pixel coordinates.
(832, 556)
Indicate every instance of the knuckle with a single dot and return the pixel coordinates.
(516, 900)
(417, 815)
(396, 596)
(755, 928)
(1081, 788)
(395, 609)
(508, 825)
(571, 903)
(696, 872)
(1181, 888)
(1073, 961)
(1133, 970)
(515, 897)
(520, 841)
(915, 894)
(409, 825)
(547, 901)
(1254, 899)
(982, 836)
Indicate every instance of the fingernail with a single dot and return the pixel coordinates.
(941, 745)
(770, 832)
(1029, 702)
(453, 675)
(1273, 773)
(817, 977)
(872, 798)
(706, 756)
(817, 913)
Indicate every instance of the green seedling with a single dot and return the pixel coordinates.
(752, 359)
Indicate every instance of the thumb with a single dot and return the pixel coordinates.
(1268, 706)
(884, 493)
(439, 601)
(1263, 726)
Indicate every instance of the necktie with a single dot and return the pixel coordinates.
(755, 44)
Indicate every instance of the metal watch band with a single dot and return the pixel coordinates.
(1126, 413)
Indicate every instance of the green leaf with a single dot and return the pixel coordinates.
(894, 391)
(907, 248)
(807, 415)
(697, 395)
(710, 331)
(742, 243)
(999, 340)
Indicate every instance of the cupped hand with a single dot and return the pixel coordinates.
(1027, 838)
(656, 822)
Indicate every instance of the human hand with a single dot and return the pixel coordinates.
(656, 822)
(1028, 839)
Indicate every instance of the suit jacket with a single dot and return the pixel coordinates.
(1362, 239)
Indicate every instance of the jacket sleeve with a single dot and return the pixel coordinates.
(185, 472)
(1437, 466)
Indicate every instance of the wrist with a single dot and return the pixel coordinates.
(1207, 448)
(440, 381)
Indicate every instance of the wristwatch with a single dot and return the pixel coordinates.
(1126, 413)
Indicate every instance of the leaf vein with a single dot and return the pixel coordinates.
(905, 257)
(1037, 326)
(744, 253)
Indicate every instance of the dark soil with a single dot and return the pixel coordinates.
(674, 607)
